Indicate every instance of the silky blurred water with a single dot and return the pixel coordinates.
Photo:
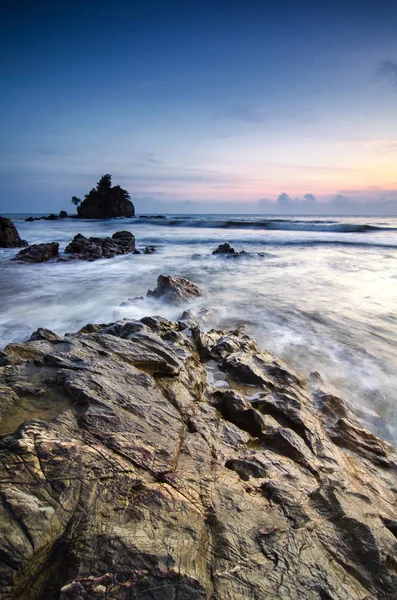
(323, 297)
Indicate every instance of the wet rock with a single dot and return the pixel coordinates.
(63, 214)
(229, 252)
(44, 334)
(146, 482)
(149, 249)
(224, 249)
(30, 219)
(93, 248)
(236, 409)
(37, 253)
(9, 236)
(175, 290)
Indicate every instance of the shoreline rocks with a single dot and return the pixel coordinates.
(228, 251)
(174, 290)
(139, 477)
(51, 217)
(37, 253)
(9, 236)
(93, 248)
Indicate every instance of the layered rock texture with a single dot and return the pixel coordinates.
(82, 248)
(164, 463)
(175, 290)
(9, 236)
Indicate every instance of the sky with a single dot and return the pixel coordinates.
(222, 106)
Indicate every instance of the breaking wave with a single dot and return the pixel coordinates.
(260, 223)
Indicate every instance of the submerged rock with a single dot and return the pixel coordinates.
(139, 479)
(82, 248)
(175, 290)
(229, 252)
(37, 253)
(9, 236)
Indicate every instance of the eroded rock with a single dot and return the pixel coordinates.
(175, 290)
(137, 478)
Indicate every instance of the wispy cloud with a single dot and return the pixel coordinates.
(383, 146)
(249, 113)
(246, 113)
(151, 158)
(387, 70)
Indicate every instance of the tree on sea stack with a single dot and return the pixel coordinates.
(105, 201)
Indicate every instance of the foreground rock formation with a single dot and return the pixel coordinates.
(9, 236)
(82, 248)
(165, 463)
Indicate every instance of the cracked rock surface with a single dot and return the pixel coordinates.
(137, 475)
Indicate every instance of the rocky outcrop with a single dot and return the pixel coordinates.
(51, 217)
(228, 251)
(105, 201)
(175, 290)
(82, 248)
(9, 236)
(158, 463)
(224, 249)
(37, 253)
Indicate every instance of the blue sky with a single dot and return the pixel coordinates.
(196, 105)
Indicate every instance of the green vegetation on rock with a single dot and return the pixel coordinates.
(105, 201)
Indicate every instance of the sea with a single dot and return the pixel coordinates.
(319, 292)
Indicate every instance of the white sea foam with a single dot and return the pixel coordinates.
(323, 299)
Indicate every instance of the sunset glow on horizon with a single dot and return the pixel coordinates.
(225, 102)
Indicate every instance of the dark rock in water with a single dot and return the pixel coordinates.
(229, 252)
(63, 214)
(37, 253)
(51, 217)
(224, 249)
(149, 249)
(30, 219)
(175, 290)
(138, 479)
(9, 236)
(82, 248)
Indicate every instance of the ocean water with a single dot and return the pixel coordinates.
(323, 297)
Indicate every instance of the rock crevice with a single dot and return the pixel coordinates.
(150, 482)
